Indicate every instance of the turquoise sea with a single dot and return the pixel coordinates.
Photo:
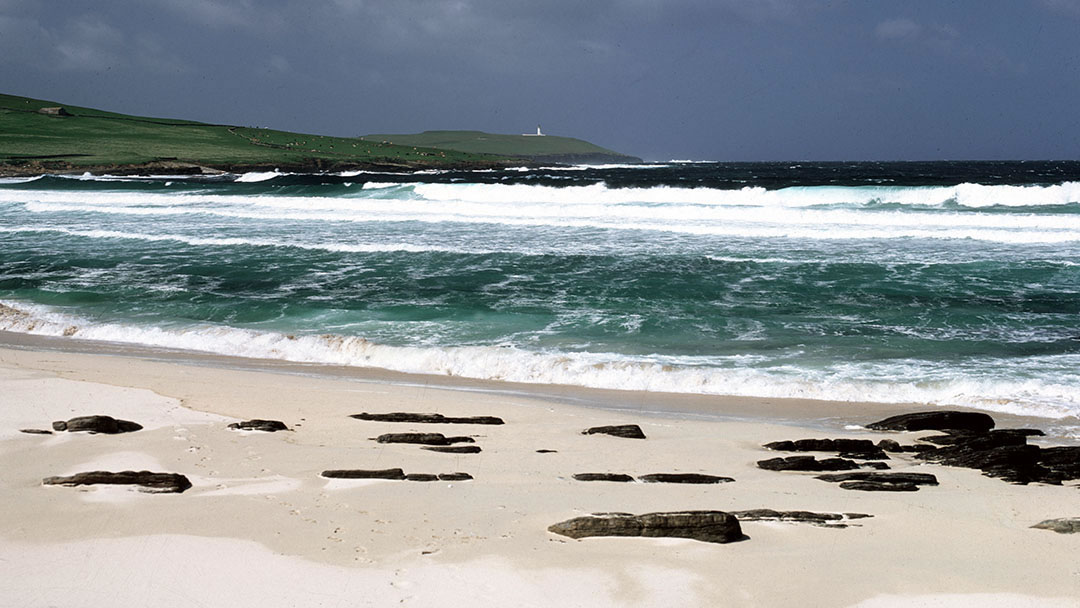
(941, 283)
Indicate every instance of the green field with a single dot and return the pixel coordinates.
(548, 148)
(93, 139)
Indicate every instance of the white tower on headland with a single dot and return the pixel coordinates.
(537, 134)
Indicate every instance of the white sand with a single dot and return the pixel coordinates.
(260, 527)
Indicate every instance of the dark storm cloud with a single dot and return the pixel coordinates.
(728, 79)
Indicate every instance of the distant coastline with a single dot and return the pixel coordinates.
(40, 137)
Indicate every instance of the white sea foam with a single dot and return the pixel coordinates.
(804, 213)
(259, 176)
(1055, 397)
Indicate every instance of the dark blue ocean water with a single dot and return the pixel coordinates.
(944, 283)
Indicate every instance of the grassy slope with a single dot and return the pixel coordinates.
(91, 138)
(507, 145)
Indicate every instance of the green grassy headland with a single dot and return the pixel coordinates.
(545, 149)
(85, 139)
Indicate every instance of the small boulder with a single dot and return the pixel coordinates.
(706, 526)
(268, 426)
(935, 420)
(628, 431)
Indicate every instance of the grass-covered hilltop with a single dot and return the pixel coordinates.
(39, 136)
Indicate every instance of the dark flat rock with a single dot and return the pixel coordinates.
(1062, 461)
(706, 526)
(36, 431)
(1065, 525)
(922, 479)
(620, 477)
(453, 449)
(96, 424)
(879, 486)
(427, 418)
(421, 477)
(422, 438)
(155, 483)
(683, 478)
(824, 445)
(938, 420)
(454, 477)
(547, 451)
(807, 463)
(828, 520)
(256, 424)
(397, 474)
(628, 431)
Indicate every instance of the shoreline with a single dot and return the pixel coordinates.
(823, 415)
(261, 526)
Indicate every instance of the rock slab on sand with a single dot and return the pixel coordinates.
(156, 483)
(936, 420)
(627, 431)
(427, 418)
(422, 438)
(257, 424)
(1064, 525)
(96, 424)
(706, 526)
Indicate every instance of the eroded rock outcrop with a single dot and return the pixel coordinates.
(427, 418)
(827, 520)
(147, 481)
(96, 424)
(706, 526)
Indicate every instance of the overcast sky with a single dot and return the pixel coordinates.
(685, 79)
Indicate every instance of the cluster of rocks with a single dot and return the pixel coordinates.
(970, 441)
(692, 478)
(393, 474)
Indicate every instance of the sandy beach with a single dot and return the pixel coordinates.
(260, 526)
